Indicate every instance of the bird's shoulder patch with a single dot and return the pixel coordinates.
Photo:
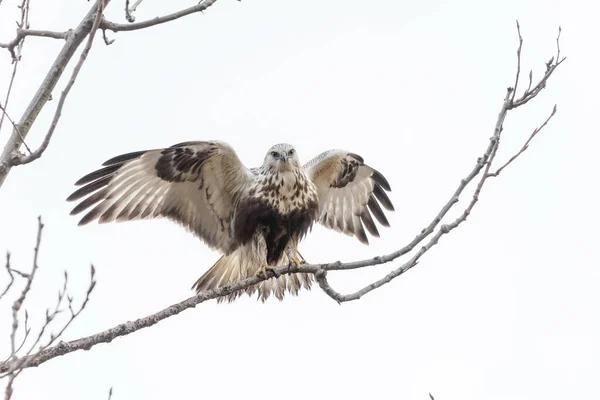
(183, 162)
(348, 170)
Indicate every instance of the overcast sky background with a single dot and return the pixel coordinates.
(506, 307)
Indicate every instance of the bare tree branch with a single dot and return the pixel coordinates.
(23, 33)
(44, 92)
(551, 65)
(27, 332)
(19, 302)
(74, 37)
(486, 160)
(18, 159)
(17, 361)
(107, 41)
(526, 145)
(18, 364)
(17, 307)
(5, 114)
(116, 27)
(24, 23)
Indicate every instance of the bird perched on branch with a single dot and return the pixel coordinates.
(254, 216)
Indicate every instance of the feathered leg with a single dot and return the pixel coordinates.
(247, 261)
(293, 255)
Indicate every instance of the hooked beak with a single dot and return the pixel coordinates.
(283, 158)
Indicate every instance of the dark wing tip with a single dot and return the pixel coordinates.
(377, 211)
(73, 196)
(368, 222)
(383, 197)
(380, 179)
(123, 158)
(100, 173)
(83, 222)
(363, 238)
(360, 233)
(90, 188)
(90, 201)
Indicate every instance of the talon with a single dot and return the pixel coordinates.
(295, 262)
(295, 259)
(264, 271)
(299, 261)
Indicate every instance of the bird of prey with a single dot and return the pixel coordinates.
(254, 216)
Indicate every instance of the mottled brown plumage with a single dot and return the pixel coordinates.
(254, 217)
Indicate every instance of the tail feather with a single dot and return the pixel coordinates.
(240, 265)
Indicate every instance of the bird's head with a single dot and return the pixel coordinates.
(282, 157)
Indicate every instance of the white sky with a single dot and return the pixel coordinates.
(506, 307)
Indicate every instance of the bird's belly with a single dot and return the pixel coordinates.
(289, 227)
(277, 229)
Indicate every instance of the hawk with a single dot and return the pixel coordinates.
(254, 216)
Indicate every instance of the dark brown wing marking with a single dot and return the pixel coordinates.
(350, 193)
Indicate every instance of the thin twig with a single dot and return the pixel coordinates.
(130, 10)
(530, 81)
(128, 16)
(20, 273)
(107, 41)
(23, 24)
(116, 27)
(19, 363)
(12, 277)
(530, 94)
(74, 314)
(526, 145)
(23, 33)
(50, 316)
(4, 113)
(558, 43)
(15, 312)
(514, 91)
(19, 302)
(27, 329)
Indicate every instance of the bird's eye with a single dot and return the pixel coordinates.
(291, 152)
(275, 154)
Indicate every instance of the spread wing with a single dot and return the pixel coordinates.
(350, 193)
(193, 183)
